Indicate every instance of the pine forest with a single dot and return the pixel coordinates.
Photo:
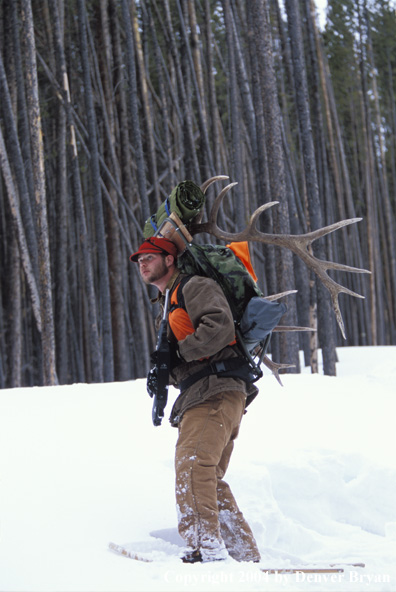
(106, 105)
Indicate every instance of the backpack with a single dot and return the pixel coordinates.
(254, 316)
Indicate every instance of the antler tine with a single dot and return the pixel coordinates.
(211, 226)
(320, 268)
(216, 205)
(252, 224)
(209, 182)
(315, 234)
(284, 328)
(280, 295)
(275, 367)
(198, 218)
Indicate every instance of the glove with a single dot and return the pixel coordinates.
(152, 382)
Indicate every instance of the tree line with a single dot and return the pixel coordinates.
(105, 105)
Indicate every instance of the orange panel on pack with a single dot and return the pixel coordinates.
(241, 250)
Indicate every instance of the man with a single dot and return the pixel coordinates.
(208, 411)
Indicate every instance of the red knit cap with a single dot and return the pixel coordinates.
(155, 244)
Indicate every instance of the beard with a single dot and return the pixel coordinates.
(157, 273)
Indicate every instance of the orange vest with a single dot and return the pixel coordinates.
(179, 321)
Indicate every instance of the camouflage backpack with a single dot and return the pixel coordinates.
(254, 316)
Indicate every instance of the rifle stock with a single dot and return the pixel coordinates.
(163, 361)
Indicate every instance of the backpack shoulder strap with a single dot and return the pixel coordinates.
(178, 292)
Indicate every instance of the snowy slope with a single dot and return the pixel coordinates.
(314, 471)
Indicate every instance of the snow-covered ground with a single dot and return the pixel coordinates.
(314, 471)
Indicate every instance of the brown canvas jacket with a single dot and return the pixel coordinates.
(212, 319)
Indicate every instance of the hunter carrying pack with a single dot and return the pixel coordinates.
(230, 266)
(254, 316)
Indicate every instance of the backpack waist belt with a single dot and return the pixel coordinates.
(231, 368)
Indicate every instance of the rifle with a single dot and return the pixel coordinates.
(161, 370)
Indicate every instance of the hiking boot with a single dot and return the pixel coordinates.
(217, 554)
(192, 557)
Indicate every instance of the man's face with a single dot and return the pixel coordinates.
(152, 267)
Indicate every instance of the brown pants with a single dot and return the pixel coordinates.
(209, 517)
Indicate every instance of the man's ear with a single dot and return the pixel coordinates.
(170, 260)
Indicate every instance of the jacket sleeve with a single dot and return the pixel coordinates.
(211, 317)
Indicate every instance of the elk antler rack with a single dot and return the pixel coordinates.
(298, 244)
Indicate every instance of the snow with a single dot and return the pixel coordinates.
(314, 471)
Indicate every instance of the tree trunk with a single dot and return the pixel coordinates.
(134, 114)
(115, 249)
(20, 232)
(15, 318)
(47, 329)
(325, 320)
(88, 283)
(146, 110)
(389, 243)
(235, 136)
(276, 166)
(17, 163)
(62, 221)
(104, 283)
(206, 153)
